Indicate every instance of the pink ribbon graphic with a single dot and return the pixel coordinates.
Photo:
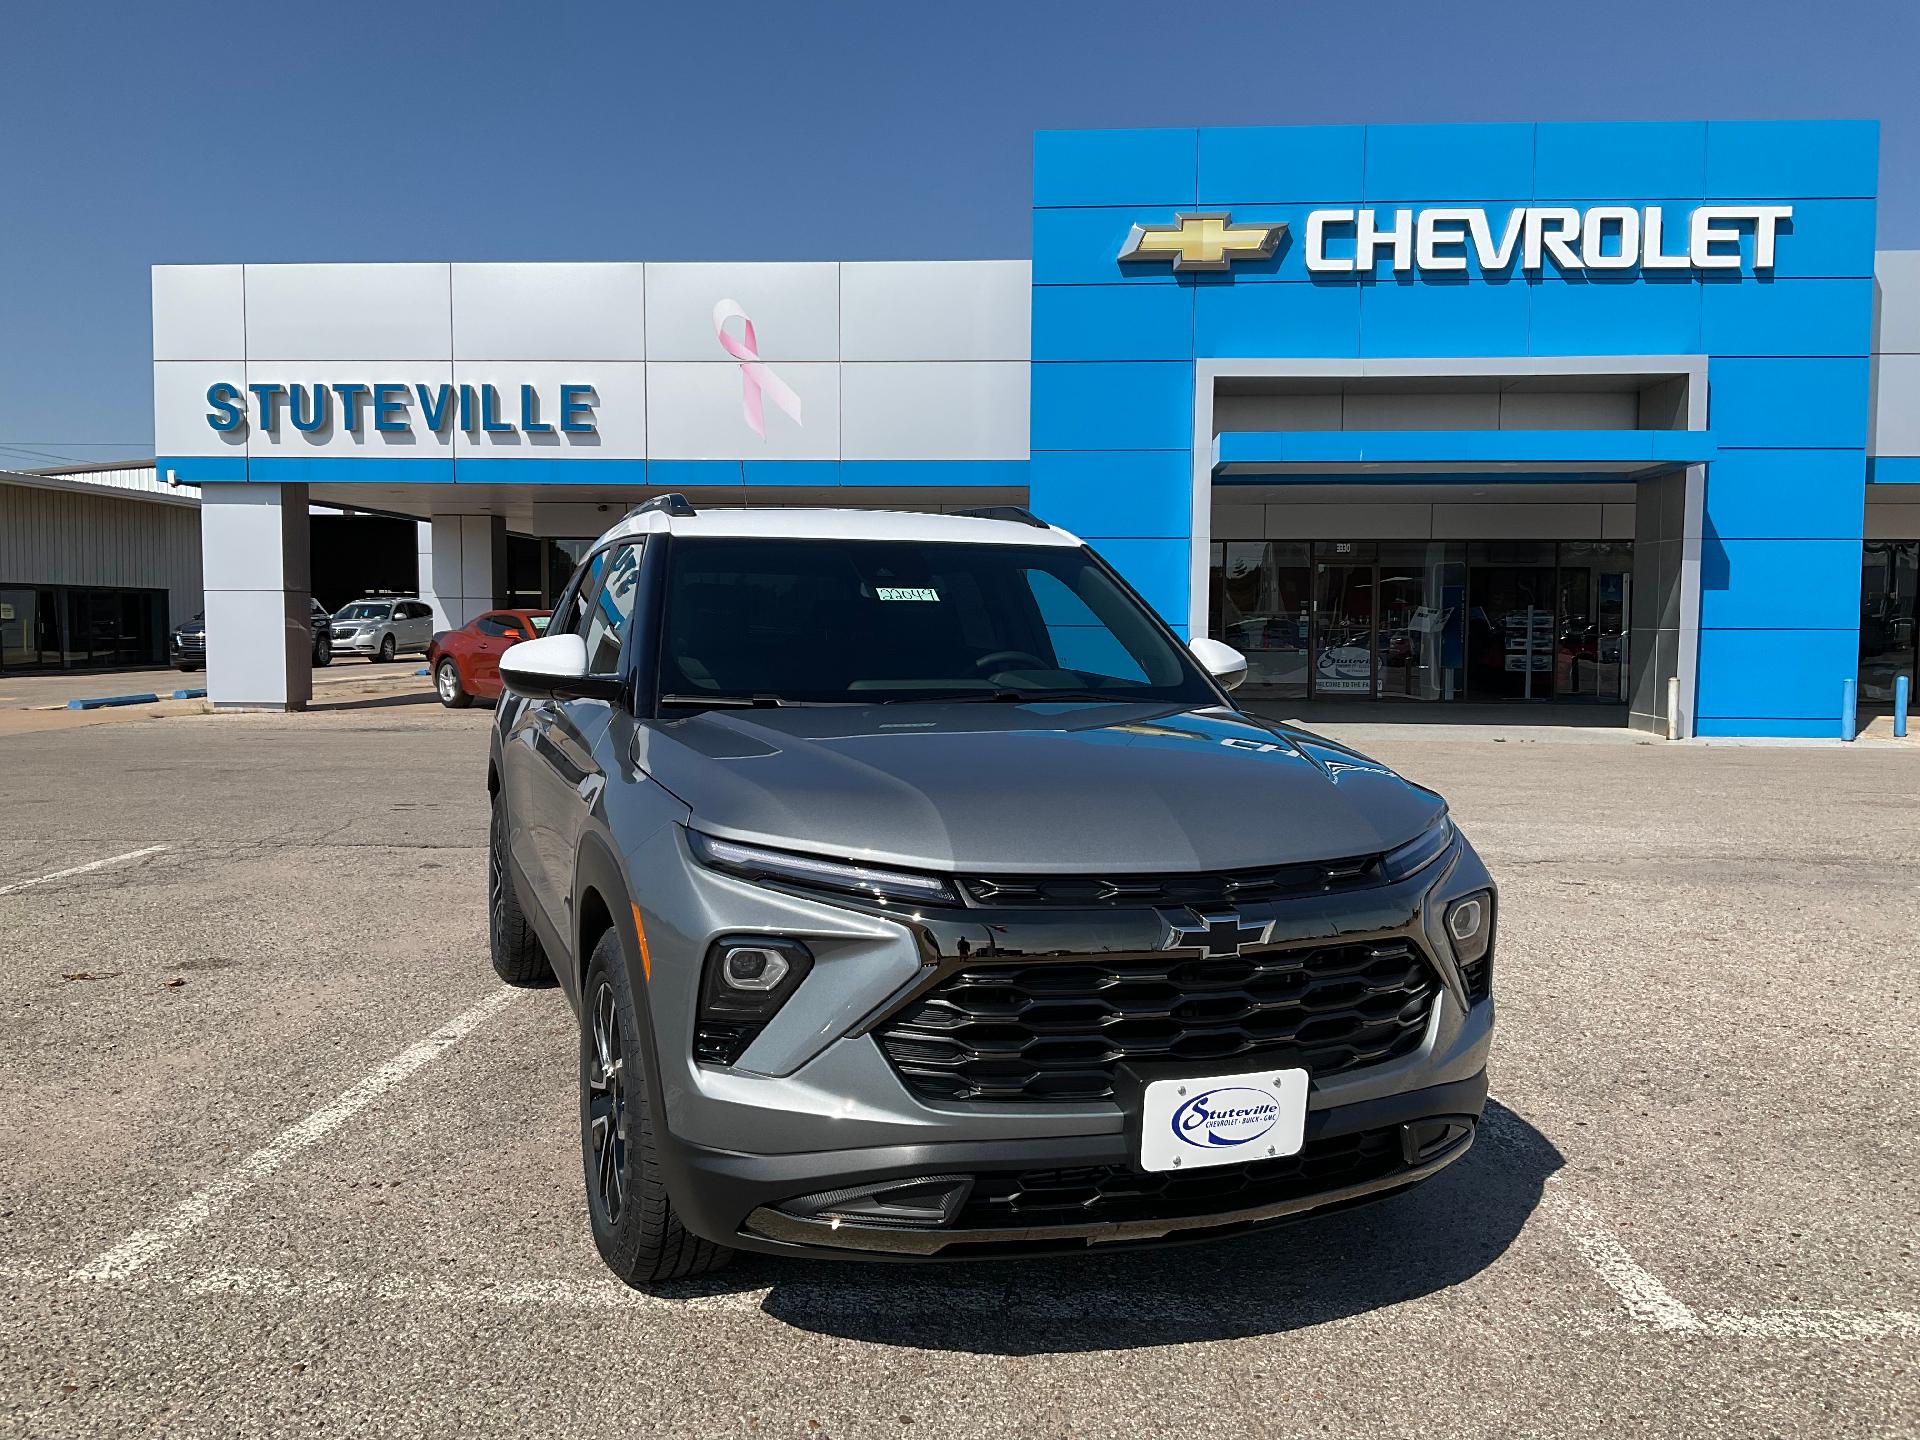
(755, 378)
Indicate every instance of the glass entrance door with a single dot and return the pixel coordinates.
(1510, 638)
(1590, 642)
(1344, 621)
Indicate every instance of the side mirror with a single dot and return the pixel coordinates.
(554, 667)
(1223, 662)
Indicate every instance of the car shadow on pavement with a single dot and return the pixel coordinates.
(375, 702)
(1301, 1274)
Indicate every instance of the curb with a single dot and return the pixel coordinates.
(102, 702)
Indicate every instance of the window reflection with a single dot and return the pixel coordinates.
(1428, 620)
(1888, 583)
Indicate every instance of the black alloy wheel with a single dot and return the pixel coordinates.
(607, 1109)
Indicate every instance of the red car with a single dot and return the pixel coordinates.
(466, 662)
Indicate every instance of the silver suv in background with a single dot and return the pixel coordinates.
(921, 894)
(381, 629)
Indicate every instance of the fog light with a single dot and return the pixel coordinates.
(753, 967)
(1470, 926)
(748, 978)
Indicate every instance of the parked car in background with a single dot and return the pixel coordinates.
(466, 662)
(187, 645)
(381, 629)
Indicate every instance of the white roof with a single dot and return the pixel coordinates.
(795, 523)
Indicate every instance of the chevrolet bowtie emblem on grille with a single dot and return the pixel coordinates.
(1202, 242)
(1218, 932)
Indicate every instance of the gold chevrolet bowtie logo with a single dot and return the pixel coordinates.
(1202, 242)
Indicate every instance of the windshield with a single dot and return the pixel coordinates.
(365, 610)
(870, 621)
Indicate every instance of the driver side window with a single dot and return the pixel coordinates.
(609, 610)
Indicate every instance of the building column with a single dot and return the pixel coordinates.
(255, 558)
(463, 566)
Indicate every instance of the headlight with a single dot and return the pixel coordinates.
(754, 863)
(1421, 851)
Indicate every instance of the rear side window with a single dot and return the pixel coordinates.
(495, 625)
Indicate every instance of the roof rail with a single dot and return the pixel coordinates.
(672, 503)
(1017, 514)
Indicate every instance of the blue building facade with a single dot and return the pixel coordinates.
(1779, 461)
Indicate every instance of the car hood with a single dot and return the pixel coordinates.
(1038, 788)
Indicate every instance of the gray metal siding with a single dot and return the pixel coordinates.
(61, 537)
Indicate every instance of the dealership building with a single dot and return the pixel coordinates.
(1602, 413)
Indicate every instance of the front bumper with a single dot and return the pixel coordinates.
(356, 645)
(737, 1199)
(815, 1105)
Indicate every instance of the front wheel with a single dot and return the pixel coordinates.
(387, 650)
(635, 1228)
(323, 652)
(446, 683)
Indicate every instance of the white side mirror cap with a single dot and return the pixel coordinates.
(1226, 664)
(550, 666)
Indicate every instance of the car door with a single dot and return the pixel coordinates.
(548, 770)
(419, 625)
(492, 634)
(573, 740)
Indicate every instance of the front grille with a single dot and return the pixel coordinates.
(191, 642)
(343, 632)
(1115, 1194)
(1219, 887)
(1056, 1030)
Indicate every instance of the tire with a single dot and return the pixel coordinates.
(516, 953)
(186, 669)
(323, 652)
(634, 1225)
(446, 684)
(387, 650)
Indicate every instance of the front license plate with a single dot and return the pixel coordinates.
(1222, 1119)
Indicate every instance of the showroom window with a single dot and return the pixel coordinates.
(1888, 572)
(1426, 620)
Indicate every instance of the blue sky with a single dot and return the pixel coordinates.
(136, 134)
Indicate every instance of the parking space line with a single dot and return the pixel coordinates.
(1646, 1299)
(1843, 1325)
(141, 1247)
(83, 869)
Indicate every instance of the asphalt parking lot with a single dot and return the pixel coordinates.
(281, 1157)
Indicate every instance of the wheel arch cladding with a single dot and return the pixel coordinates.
(602, 905)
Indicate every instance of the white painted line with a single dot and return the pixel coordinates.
(1646, 1299)
(91, 865)
(1839, 1325)
(141, 1247)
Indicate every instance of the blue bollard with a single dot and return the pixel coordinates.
(1902, 692)
(1848, 716)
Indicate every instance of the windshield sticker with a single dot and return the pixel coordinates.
(894, 592)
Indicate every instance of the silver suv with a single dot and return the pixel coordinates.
(920, 894)
(381, 629)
